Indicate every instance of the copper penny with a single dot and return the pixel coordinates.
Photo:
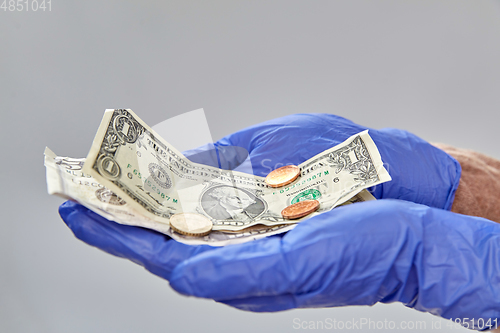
(283, 176)
(300, 209)
(191, 224)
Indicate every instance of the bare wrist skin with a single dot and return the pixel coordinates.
(478, 193)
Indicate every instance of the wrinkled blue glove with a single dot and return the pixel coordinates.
(420, 172)
(389, 250)
(380, 251)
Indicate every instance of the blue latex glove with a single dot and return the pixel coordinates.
(420, 172)
(380, 251)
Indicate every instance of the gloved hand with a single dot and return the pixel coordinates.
(420, 172)
(380, 251)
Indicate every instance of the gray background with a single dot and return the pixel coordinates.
(431, 67)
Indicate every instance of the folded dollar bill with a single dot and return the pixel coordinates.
(133, 177)
(157, 180)
(66, 179)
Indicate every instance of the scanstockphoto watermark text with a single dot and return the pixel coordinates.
(355, 324)
(26, 5)
(369, 324)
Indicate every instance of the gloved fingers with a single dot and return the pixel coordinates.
(420, 172)
(341, 252)
(156, 252)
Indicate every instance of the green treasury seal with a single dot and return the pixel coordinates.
(311, 194)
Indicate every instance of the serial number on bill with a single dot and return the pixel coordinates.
(26, 5)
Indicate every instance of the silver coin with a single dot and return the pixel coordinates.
(191, 224)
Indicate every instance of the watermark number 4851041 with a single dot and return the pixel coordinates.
(26, 5)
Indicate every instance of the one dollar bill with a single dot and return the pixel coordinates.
(66, 179)
(157, 181)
